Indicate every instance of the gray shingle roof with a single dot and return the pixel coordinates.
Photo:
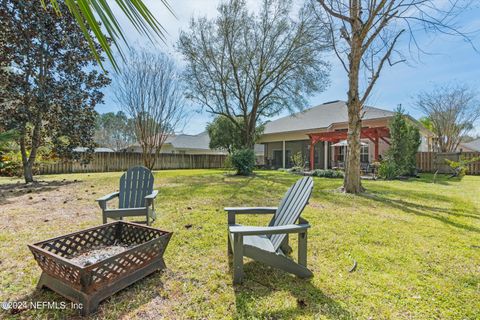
(321, 116)
(84, 149)
(472, 145)
(186, 141)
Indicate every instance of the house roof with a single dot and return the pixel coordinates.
(198, 141)
(84, 149)
(472, 145)
(322, 116)
(187, 141)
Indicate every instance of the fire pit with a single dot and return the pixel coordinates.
(91, 265)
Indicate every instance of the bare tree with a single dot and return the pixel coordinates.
(452, 111)
(253, 66)
(148, 89)
(366, 34)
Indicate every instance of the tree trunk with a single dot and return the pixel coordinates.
(28, 171)
(351, 182)
(27, 162)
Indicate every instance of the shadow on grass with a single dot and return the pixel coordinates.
(423, 211)
(126, 299)
(11, 190)
(386, 193)
(261, 281)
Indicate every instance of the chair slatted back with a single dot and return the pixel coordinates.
(291, 207)
(135, 184)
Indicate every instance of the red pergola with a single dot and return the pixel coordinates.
(374, 134)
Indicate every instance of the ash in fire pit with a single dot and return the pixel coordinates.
(100, 253)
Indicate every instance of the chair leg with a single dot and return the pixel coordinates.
(302, 249)
(237, 259)
(229, 244)
(104, 217)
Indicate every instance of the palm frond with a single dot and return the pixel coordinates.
(86, 13)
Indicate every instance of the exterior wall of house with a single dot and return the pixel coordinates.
(274, 153)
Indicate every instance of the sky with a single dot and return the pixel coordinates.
(449, 60)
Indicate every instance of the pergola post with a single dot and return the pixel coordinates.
(283, 154)
(312, 154)
(325, 156)
(373, 134)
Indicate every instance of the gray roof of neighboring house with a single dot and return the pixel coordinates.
(198, 141)
(472, 145)
(321, 116)
(83, 149)
(187, 141)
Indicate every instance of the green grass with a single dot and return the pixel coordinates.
(417, 245)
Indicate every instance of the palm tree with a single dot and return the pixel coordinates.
(86, 13)
(7, 136)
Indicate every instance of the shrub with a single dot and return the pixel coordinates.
(459, 168)
(329, 173)
(10, 164)
(227, 164)
(388, 170)
(298, 161)
(296, 169)
(405, 140)
(243, 161)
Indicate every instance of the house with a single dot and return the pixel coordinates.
(318, 133)
(472, 146)
(95, 150)
(182, 144)
(189, 144)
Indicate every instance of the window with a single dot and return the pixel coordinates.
(364, 154)
(341, 154)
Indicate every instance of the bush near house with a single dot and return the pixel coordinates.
(298, 162)
(328, 173)
(243, 161)
(400, 159)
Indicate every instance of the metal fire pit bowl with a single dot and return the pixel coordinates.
(91, 283)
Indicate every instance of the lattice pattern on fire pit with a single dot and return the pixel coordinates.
(145, 244)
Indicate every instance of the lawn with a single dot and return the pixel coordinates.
(417, 245)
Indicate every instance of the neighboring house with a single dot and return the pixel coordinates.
(189, 144)
(183, 144)
(96, 150)
(314, 131)
(472, 146)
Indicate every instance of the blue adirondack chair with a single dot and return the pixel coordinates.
(135, 198)
(268, 244)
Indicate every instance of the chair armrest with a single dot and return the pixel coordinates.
(249, 230)
(151, 197)
(251, 210)
(102, 202)
(109, 196)
(232, 211)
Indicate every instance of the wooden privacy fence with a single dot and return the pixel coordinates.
(121, 161)
(433, 161)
